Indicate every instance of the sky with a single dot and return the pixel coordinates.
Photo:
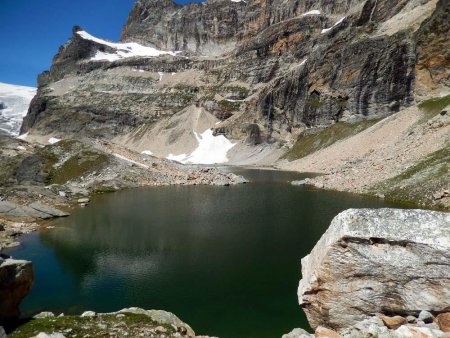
(31, 31)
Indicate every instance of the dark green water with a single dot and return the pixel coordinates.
(226, 260)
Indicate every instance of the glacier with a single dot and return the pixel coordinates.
(14, 103)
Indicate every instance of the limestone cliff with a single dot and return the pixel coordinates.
(266, 69)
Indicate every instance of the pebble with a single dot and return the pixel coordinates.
(425, 316)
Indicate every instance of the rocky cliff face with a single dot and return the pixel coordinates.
(266, 69)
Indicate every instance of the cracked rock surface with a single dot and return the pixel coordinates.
(371, 261)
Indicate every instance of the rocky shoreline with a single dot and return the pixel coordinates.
(39, 182)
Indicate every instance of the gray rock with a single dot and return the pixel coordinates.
(50, 335)
(2, 332)
(16, 279)
(83, 200)
(301, 182)
(298, 333)
(160, 317)
(425, 316)
(45, 314)
(383, 260)
(13, 210)
(48, 210)
(88, 314)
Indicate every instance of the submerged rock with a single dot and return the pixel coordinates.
(16, 279)
(371, 261)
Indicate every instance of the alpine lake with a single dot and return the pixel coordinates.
(225, 260)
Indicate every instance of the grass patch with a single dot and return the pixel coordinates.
(418, 183)
(229, 106)
(98, 326)
(308, 144)
(77, 166)
(434, 106)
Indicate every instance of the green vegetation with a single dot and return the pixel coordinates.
(307, 144)
(81, 161)
(242, 91)
(229, 106)
(99, 326)
(434, 106)
(78, 165)
(420, 182)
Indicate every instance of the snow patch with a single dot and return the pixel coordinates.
(23, 136)
(210, 150)
(313, 12)
(53, 140)
(178, 158)
(336, 24)
(238, 1)
(130, 161)
(123, 50)
(147, 152)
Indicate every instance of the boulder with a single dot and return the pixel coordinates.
(370, 261)
(48, 210)
(393, 322)
(16, 280)
(443, 320)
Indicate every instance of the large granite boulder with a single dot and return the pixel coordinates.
(369, 261)
(16, 280)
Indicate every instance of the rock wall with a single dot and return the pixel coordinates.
(281, 66)
(373, 261)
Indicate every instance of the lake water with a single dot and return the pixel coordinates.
(226, 260)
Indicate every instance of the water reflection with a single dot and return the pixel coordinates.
(225, 259)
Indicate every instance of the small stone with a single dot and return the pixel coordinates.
(392, 322)
(88, 314)
(83, 200)
(160, 329)
(319, 185)
(62, 193)
(443, 320)
(323, 332)
(120, 315)
(2, 332)
(411, 319)
(425, 316)
(301, 182)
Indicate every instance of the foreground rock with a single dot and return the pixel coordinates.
(377, 327)
(131, 322)
(34, 211)
(16, 279)
(369, 261)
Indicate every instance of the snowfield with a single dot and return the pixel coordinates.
(210, 150)
(123, 50)
(14, 103)
(313, 12)
(336, 24)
